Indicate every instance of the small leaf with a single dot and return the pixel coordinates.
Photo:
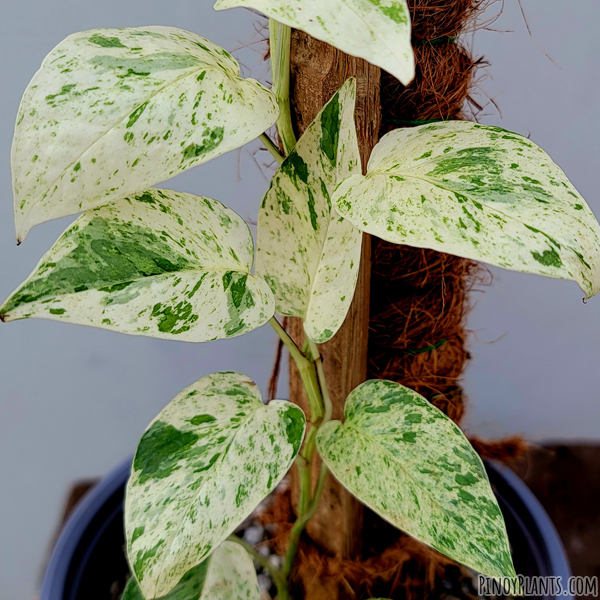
(308, 254)
(479, 192)
(412, 465)
(227, 574)
(113, 111)
(162, 264)
(200, 469)
(376, 30)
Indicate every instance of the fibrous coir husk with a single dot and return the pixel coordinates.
(435, 19)
(418, 307)
(443, 77)
(419, 298)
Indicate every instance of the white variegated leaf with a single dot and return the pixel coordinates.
(162, 264)
(376, 30)
(200, 469)
(227, 574)
(413, 466)
(480, 192)
(307, 253)
(113, 111)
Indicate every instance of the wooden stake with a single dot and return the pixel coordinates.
(317, 72)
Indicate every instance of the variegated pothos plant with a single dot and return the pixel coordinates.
(112, 112)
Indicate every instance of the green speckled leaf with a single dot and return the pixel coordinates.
(163, 264)
(307, 253)
(479, 192)
(114, 111)
(227, 574)
(413, 466)
(376, 30)
(200, 469)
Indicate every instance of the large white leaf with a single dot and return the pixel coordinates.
(376, 30)
(479, 192)
(308, 254)
(227, 574)
(200, 469)
(114, 111)
(162, 264)
(412, 465)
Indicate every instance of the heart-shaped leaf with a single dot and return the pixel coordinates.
(479, 192)
(227, 574)
(162, 264)
(413, 466)
(113, 111)
(200, 469)
(376, 30)
(307, 253)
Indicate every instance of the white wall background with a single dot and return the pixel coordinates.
(541, 376)
(74, 400)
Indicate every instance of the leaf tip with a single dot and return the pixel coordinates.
(407, 76)
(21, 231)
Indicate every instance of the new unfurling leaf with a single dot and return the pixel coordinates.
(161, 264)
(308, 254)
(200, 469)
(113, 111)
(413, 466)
(376, 30)
(479, 192)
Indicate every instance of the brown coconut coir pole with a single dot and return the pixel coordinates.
(419, 297)
(416, 301)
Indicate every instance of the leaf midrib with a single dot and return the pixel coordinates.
(483, 202)
(332, 212)
(149, 277)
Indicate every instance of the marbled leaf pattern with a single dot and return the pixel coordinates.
(413, 466)
(376, 30)
(201, 468)
(227, 574)
(480, 192)
(162, 264)
(307, 253)
(113, 111)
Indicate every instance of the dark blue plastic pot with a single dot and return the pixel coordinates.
(86, 560)
(84, 563)
(536, 546)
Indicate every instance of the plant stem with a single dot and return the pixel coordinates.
(304, 464)
(306, 508)
(301, 522)
(271, 147)
(314, 350)
(310, 366)
(307, 370)
(280, 41)
(277, 575)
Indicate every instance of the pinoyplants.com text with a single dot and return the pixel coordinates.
(537, 586)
